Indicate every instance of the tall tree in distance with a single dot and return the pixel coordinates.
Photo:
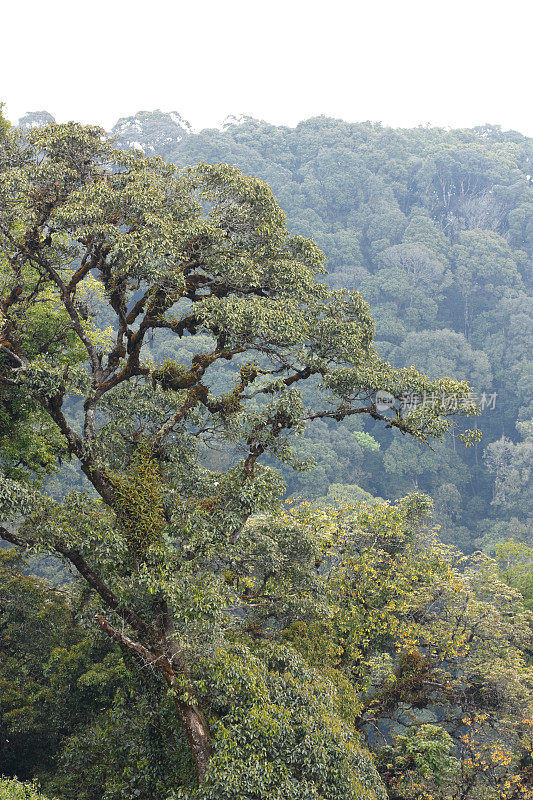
(102, 251)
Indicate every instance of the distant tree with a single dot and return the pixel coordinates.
(411, 280)
(454, 172)
(423, 230)
(4, 124)
(445, 350)
(486, 269)
(515, 561)
(511, 466)
(151, 132)
(34, 119)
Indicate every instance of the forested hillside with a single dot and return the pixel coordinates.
(435, 229)
(243, 499)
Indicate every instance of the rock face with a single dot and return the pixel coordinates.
(152, 132)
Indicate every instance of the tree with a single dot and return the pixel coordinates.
(515, 560)
(93, 237)
(418, 762)
(426, 186)
(55, 677)
(411, 279)
(4, 124)
(510, 464)
(35, 119)
(434, 647)
(486, 268)
(14, 790)
(152, 132)
(437, 350)
(453, 173)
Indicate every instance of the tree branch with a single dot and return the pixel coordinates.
(89, 575)
(141, 652)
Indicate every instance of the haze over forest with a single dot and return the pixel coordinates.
(252, 549)
(434, 229)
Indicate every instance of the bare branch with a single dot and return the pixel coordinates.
(141, 652)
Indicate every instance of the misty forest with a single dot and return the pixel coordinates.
(266, 440)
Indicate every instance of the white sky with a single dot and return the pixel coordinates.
(403, 63)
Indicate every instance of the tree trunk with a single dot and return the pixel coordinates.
(195, 725)
(167, 658)
(178, 679)
(467, 318)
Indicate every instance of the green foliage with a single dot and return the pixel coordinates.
(366, 441)
(4, 124)
(130, 748)
(47, 663)
(433, 228)
(283, 637)
(11, 789)
(29, 444)
(424, 637)
(515, 561)
(74, 712)
(420, 762)
(277, 733)
(336, 620)
(138, 502)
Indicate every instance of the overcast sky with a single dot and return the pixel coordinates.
(402, 63)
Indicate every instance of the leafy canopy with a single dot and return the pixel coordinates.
(101, 253)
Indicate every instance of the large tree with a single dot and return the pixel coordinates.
(103, 252)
